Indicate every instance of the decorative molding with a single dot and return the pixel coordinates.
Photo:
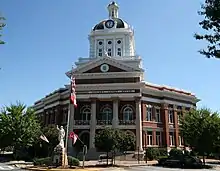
(148, 99)
(99, 61)
(108, 75)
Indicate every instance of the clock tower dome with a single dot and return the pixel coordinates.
(112, 36)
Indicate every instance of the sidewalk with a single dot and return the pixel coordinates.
(96, 166)
(119, 163)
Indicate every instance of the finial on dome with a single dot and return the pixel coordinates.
(113, 10)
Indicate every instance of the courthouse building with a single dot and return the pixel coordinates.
(111, 91)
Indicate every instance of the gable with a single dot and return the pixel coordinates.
(114, 65)
(111, 68)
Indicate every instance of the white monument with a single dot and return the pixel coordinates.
(61, 136)
(60, 156)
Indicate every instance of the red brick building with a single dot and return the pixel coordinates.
(111, 91)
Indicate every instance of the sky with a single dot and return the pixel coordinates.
(44, 38)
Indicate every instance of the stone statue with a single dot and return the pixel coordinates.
(61, 136)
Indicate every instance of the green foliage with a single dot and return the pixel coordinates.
(156, 153)
(114, 139)
(19, 127)
(200, 129)
(73, 161)
(127, 142)
(176, 153)
(152, 153)
(106, 140)
(47, 161)
(162, 152)
(42, 148)
(2, 24)
(211, 12)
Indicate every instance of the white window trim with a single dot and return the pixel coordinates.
(160, 140)
(149, 139)
(180, 141)
(158, 119)
(171, 137)
(151, 113)
(169, 114)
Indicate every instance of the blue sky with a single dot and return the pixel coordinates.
(44, 38)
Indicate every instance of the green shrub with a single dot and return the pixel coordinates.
(73, 161)
(43, 161)
(163, 152)
(152, 153)
(176, 153)
(162, 157)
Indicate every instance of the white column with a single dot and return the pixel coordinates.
(115, 114)
(92, 124)
(138, 125)
(71, 123)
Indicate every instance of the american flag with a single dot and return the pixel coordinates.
(73, 92)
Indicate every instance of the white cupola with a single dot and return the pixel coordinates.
(113, 10)
(112, 36)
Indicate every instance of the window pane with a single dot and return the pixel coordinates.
(149, 113)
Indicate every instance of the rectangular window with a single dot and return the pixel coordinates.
(157, 113)
(180, 141)
(170, 116)
(100, 52)
(158, 138)
(149, 113)
(179, 114)
(109, 52)
(172, 141)
(119, 52)
(149, 138)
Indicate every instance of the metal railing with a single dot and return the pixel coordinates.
(82, 122)
(127, 122)
(104, 122)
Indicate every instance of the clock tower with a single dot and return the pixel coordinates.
(112, 36)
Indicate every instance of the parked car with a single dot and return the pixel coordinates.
(181, 162)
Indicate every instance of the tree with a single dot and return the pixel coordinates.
(106, 140)
(19, 127)
(114, 139)
(211, 12)
(200, 130)
(2, 24)
(42, 148)
(128, 141)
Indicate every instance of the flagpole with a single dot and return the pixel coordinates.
(68, 122)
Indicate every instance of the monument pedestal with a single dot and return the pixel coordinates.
(60, 156)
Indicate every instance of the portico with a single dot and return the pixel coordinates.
(115, 112)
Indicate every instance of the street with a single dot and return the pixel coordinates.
(151, 168)
(6, 167)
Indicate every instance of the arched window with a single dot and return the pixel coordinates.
(85, 113)
(128, 113)
(106, 113)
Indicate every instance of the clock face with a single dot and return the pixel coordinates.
(109, 23)
(104, 68)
